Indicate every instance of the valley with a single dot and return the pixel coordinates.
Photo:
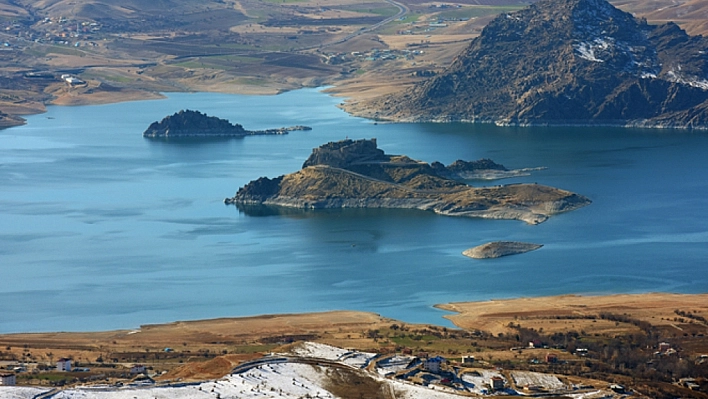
(137, 51)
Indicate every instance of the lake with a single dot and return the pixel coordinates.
(101, 228)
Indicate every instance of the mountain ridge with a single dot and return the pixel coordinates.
(565, 62)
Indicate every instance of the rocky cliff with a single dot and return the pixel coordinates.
(566, 62)
(358, 174)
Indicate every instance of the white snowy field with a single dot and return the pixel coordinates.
(285, 381)
(393, 364)
(295, 381)
(478, 383)
(20, 392)
(314, 349)
(282, 381)
(547, 381)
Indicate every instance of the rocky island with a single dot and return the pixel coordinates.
(357, 174)
(498, 249)
(564, 62)
(188, 123)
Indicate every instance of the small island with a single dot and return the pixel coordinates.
(357, 174)
(188, 123)
(497, 249)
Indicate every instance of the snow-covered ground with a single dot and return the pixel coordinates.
(393, 364)
(352, 358)
(21, 392)
(293, 381)
(286, 380)
(314, 349)
(547, 381)
(600, 394)
(283, 381)
(479, 383)
(410, 391)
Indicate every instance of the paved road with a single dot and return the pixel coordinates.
(402, 11)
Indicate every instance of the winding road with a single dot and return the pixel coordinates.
(403, 10)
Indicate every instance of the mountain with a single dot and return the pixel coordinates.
(566, 62)
(356, 174)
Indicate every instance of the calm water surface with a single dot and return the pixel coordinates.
(101, 228)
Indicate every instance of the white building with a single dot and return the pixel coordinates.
(7, 379)
(433, 364)
(137, 369)
(64, 364)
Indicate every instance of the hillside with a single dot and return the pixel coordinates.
(356, 174)
(566, 62)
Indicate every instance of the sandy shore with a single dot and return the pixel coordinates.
(564, 313)
(492, 316)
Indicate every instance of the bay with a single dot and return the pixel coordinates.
(102, 229)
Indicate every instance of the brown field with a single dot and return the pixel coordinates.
(572, 312)
(209, 349)
(248, 46)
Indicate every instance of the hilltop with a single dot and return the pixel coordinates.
(357, 174)
(188, 123)
(566, 62)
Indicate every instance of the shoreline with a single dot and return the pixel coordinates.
(350, 101)
(494, 333)
(457, 310)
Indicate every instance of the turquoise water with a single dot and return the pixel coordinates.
(101, 228)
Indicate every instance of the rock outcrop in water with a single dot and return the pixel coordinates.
(188, 123)
(574, 62)
(349, 173)
(498, 249)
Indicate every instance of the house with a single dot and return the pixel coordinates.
(664, 346)
(433, 364)
(535, 344)
(551, 358)
(617, 388)
(7, 379)
(64, 364)
(137, 369)
(467, 360)
(71, 80)
(496, 383)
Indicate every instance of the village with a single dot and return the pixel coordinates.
(656, 351)
(304, 369)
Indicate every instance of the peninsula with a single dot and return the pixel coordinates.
(357, 174)
(188, 123)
